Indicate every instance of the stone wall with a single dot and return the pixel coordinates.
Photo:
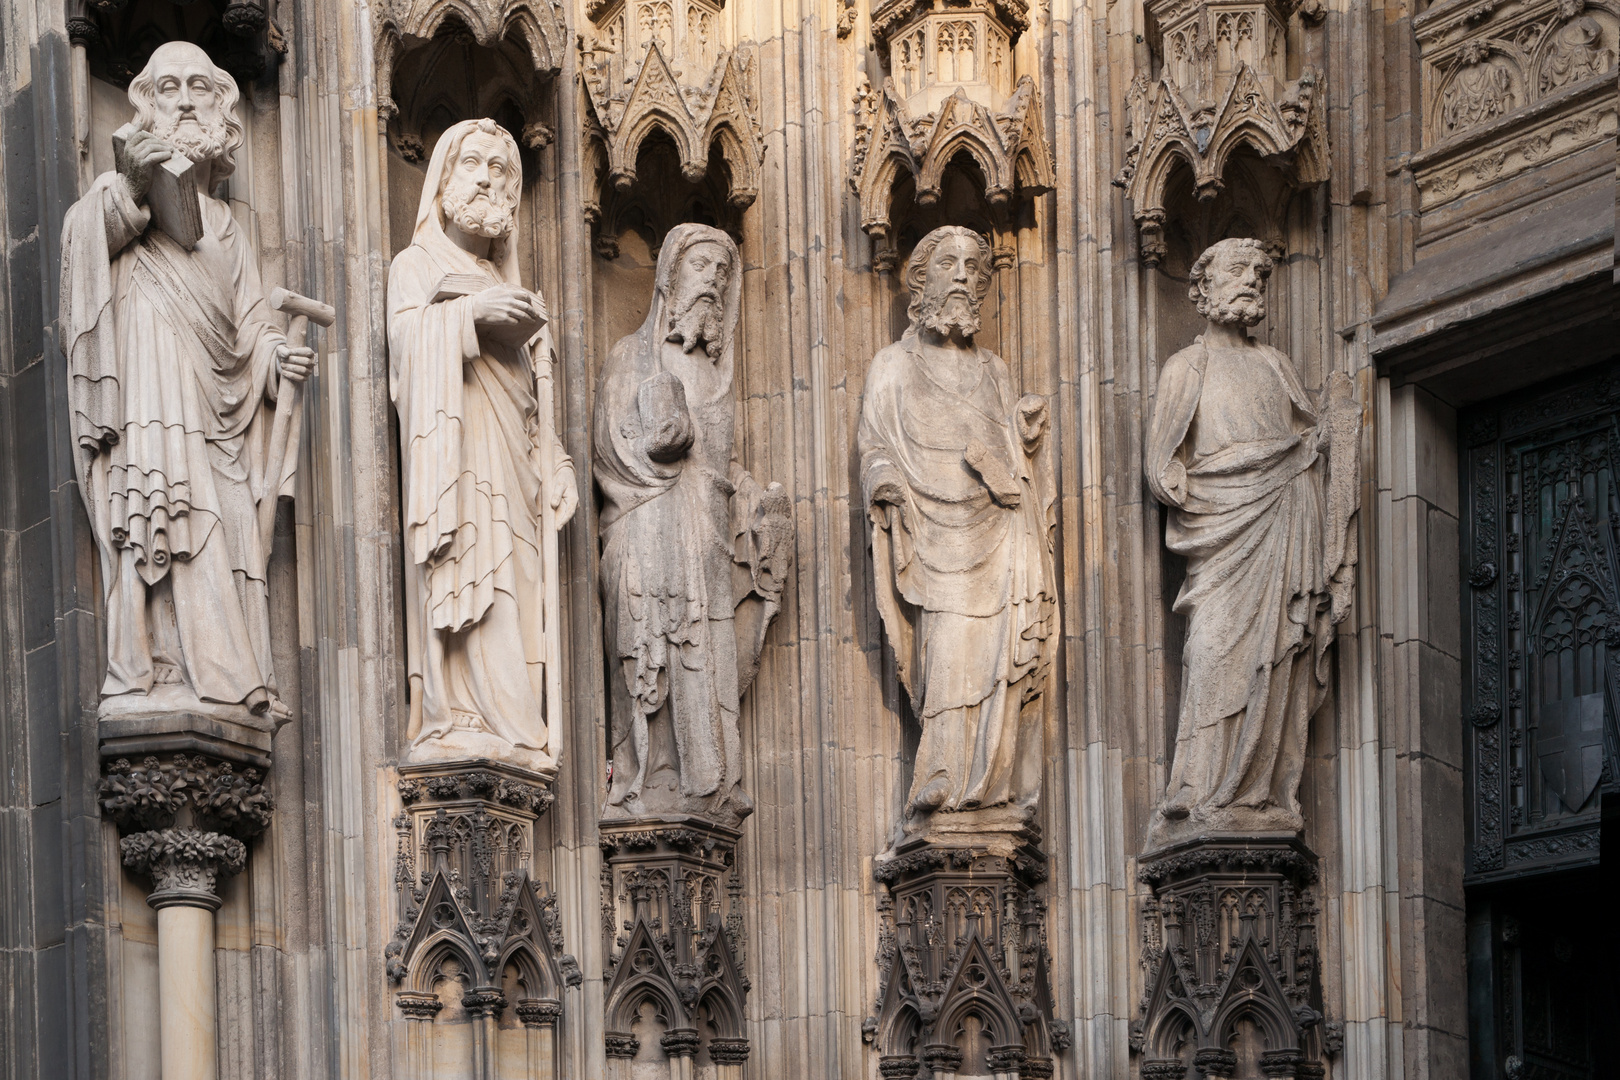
(1374, 278)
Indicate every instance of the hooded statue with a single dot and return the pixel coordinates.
(175, 361)
(486, 481)
(693, 550)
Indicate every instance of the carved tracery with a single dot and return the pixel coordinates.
(950, 90)
(1221, 86)
(514, 46)
(665, 70)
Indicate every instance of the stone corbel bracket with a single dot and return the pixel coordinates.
(539, 27)
(962, 935)
(467, 903)
(722, 112)
(1218, 92)
(1009, 147)
(1228, 937)
(673, 928)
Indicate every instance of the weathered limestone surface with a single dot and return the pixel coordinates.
(1433, 186)
(487, 483)
(1264, 485)
(957, 477)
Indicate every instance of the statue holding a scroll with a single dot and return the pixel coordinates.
(957, 475)
(1261, 484)
(487, 483)
(175, 366)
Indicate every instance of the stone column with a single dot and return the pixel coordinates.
(540, 1016)
(177, 814)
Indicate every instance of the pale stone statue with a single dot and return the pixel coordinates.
(1262, 487)
(693, 550)
(958, 480)
(487, 482)
(175, 361)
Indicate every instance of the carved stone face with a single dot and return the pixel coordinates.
(696, 306)
(477, 195)
(188, 102)
(1233, 287)
(952, 285)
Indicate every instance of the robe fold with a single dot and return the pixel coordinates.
(965, 585)
(470, 436)
(667, 557)
(1249, 521)
(171, 363)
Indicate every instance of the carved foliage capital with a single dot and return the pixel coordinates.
(184, 864)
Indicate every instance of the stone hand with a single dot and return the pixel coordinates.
(1003, 488)
(666, 426)
(1174, 481)
(564, 495)
(295, 364)
(142, 153)
(888, 496)
(1032, 417)
(508, 308)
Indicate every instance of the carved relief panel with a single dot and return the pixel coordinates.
(1541, 560)
(1511, 86)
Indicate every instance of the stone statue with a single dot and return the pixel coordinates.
(957, 478)
(1236, 451)
(693, 550)
(487, 483)
(175, 362)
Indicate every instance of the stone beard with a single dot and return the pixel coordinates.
(958, 481)
(175, 362)
(1262, 492)
(693, 549)
(486, 481)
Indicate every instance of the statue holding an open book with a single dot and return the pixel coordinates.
(486, 481)
(176, 364)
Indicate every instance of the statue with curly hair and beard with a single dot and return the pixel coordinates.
(1261, 485)
(175, 361)
(958, 482)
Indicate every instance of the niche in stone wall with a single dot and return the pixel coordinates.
(1256, 201)
(439, 63)
(118, 36)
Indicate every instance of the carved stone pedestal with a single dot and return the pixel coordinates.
(672, 923)
(184, 820)
(962, 951)
(1230, 961)
(477, 933)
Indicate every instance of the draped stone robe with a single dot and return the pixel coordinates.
(670, 581)
(1257, 595)
(171, 361)
(965, 586)
(470, 433)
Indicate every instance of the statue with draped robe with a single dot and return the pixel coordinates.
(487, 483)
(175, 363)
(957, 477)
(1261, 482)
(694, 550)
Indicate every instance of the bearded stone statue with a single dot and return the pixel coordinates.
(958, 481)
(1262, 485)
(487, 482)
(694, 551)
(175, 362)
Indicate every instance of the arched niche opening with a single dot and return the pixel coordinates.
(119, 36)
